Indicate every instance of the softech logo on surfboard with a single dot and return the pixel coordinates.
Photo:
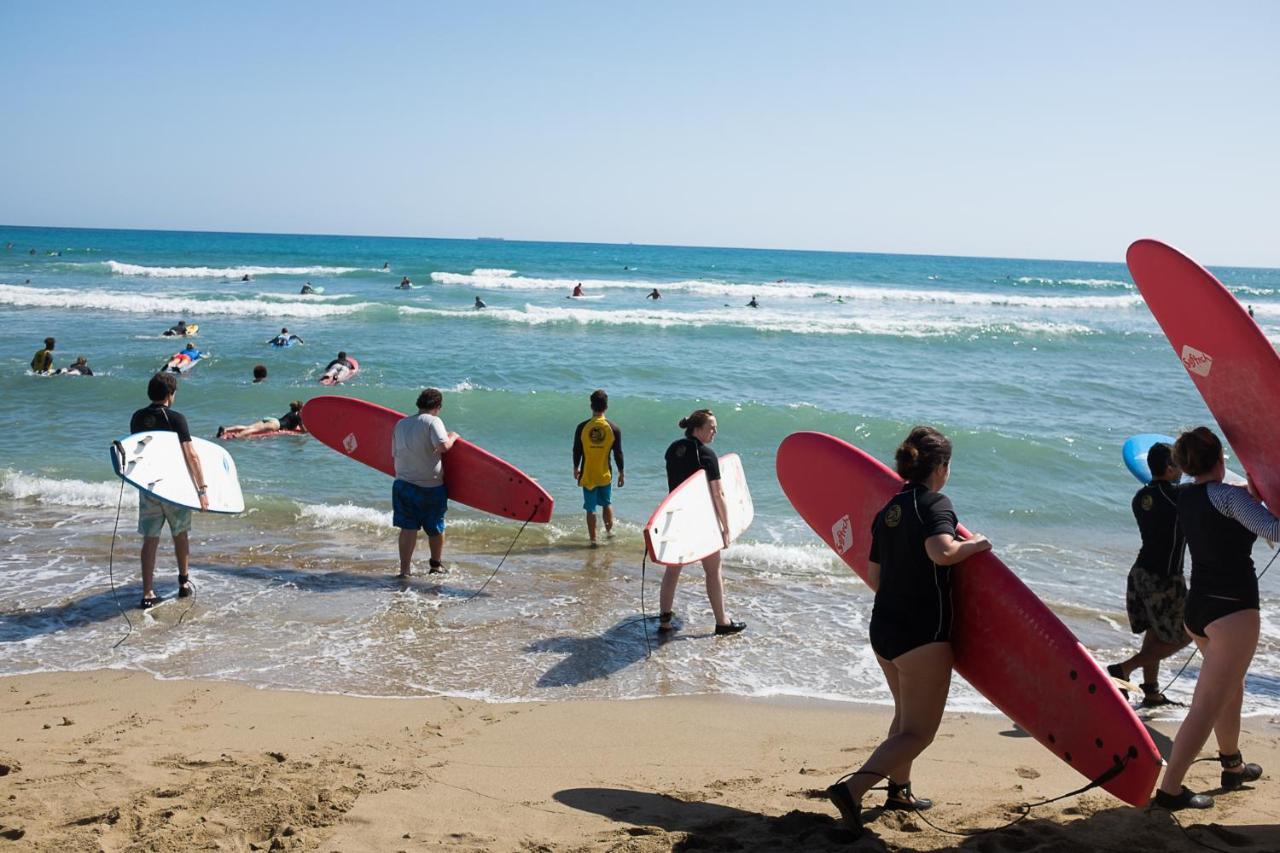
(842, 535)
(1195, 361)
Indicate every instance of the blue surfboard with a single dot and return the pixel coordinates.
(1135, 453)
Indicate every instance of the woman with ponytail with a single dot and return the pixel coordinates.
(914, 545)
(1221, 524)
(685, 457)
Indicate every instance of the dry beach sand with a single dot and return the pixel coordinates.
(114, 760)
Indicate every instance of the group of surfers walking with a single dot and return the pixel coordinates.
(915, 549)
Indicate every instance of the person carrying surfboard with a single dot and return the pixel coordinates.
(913, 550)
(1223, 613)
(593, 440)
(419, 499)
(42, 361)
(153, 514)
(1156, 589)
(684, 457)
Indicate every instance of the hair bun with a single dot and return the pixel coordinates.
(684, 422)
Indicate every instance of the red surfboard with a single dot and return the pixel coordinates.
(1007, 643)
(1233, 365)
(474, 477)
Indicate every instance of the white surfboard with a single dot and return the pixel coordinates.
(153, 462)
(683, 529)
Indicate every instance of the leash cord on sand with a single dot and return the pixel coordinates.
(111, 554)
(515, 539)
(1106, 776)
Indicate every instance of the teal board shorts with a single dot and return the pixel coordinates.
(415, 507)
(154, 513)
(599, 496)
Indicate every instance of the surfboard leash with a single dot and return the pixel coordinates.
(111, 554)
(644, 614)
(515, 539)
(1103, 778)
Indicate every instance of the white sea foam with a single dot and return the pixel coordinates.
(1084, 282)
(168, 304)
(770, 292)
(890, 325)
(467, 385)
(223, 272)
(771, 556)
(343, 516)
(49, 490)
(493, 273)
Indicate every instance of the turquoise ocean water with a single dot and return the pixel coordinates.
(1038, 370)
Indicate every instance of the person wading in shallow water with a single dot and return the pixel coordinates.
(419, 499)
(593, 440)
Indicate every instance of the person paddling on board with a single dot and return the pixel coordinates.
(283, 339)
(480, 303)
(80, 367)
(593, 440)
(42, 361)
(684, 457)
(913, 551)
(153, 513)
(245, 277)
(291, 421)
(342, 364)
(177, 330)
(654, 295)
(405, 284)
(182, 360)
(1156, 591)
(753, 303)
(307, 288)
(1223, 613)
(419, 499)
(577, 290)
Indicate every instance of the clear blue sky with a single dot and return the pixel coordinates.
(1011, 129)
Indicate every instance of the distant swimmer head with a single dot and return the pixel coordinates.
(48, 343)
(430, 400)
(161, 387)
(1160, 460)
(924, 451)
(1197, 451)
(599, 401)
(700, 425)
(259, 372)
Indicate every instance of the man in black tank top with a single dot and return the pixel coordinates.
(1156, 592)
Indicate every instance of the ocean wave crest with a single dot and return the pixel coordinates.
(170, 304)
(18, 485)
(119, 268)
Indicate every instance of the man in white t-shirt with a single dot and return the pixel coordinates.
(418, 496)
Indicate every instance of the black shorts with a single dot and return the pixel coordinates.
(895, 632)
(1204, 610)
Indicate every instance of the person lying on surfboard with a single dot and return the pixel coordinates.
(418, 496)
(1223, 613)
(177, 330)
(339, 365)
(684, 457)
(913, 550)
(182, 360)
(291, 421)
(283, 339)
(1156, 591)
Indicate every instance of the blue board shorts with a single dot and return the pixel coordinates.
(154, 513)
(599, 496)
(418, 507)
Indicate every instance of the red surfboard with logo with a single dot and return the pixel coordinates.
(1233, 365)
(1007, 643)
(473, 476)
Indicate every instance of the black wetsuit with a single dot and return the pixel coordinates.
(1222, 578)
(292, 421)
(1155, 507)
(342, 361)
(158, 416)
(913, 605)
(685, 456)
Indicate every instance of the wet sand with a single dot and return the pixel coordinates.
(114, 760)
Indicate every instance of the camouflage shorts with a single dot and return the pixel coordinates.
(1156, 604)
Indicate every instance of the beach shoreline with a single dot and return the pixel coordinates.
(119, 760)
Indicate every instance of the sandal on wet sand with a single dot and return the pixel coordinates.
(186, 588)
(1184, 799)
(148, 603)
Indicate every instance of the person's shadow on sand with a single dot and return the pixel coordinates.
(590, 658)
(712, 826)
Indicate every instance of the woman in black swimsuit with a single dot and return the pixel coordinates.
(1221, 524)
(913, 547)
